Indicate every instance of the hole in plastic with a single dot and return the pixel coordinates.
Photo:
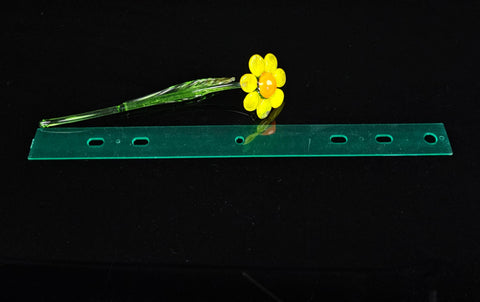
(338, 139)
(140, 141)
(430, 138)
(384, 139)
(239, 140)
(95, 142)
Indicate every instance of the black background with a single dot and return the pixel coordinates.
(294, 229)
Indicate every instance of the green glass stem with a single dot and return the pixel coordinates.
(174, 94)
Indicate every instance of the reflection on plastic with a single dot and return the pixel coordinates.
(266, 126)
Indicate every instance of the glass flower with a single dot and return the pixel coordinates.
(263, 85)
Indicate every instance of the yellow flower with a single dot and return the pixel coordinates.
(263, 85)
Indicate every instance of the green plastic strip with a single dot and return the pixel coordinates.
(239, 141)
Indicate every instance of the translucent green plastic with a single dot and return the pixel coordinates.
(232, 141)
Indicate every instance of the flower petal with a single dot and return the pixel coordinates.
(270, 62)
(277, 98)
(248, 82)
(264, 108)
(280, 77)
(251, 100)
(256, 64)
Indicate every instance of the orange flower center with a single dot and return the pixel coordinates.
(267, 84)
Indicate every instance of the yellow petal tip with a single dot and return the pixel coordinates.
(264, 108)
(248, 82)
(277, 98)
(271, 62)
(256, 64)
(280, 77)
(250, 102)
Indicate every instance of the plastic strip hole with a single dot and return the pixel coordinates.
(95, 142)
(140, 141)
(338, 139)
(239, 140)
(430, 138)
(384, 139)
